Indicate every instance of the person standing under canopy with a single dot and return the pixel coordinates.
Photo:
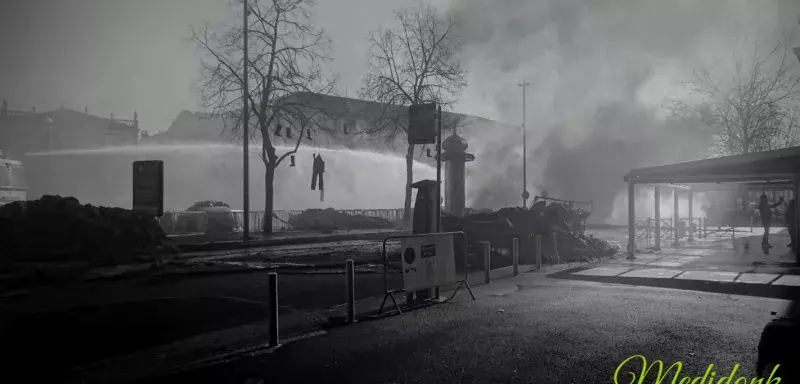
(765, 211)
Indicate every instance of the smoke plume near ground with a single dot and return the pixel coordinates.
(600, 73)
(644, 206)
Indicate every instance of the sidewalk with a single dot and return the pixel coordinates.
(252, 338)
(740, 261)
(197, 242)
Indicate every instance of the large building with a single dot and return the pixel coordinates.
(30, 131)
(339, 122)
(789, 20)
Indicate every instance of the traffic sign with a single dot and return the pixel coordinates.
(422, 124)
(148, 187)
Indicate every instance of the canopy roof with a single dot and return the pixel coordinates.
(771, 166)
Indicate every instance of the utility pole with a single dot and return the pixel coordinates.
(246, 139)
(525, 193)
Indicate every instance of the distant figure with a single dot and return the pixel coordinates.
(765, 210)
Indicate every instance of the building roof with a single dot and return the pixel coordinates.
(781, 165)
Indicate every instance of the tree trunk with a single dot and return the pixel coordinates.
(269, 194)
(409, 181)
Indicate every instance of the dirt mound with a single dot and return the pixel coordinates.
(60, 229)
(562, 239)
(331, 220)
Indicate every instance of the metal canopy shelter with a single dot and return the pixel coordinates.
(761, 170)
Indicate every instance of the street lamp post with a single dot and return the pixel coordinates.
(525, 194)
(246, 138)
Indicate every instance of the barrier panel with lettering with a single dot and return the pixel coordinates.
(428, 261)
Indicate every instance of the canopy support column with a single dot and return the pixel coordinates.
(675, 219)
(657, 199)
(691, 216)
(631, 221)
(796, 194)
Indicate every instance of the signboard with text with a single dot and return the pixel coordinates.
(148, 187)
(428, 262)
(422, 124)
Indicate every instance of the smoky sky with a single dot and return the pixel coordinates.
(600, 73)
(117, 56)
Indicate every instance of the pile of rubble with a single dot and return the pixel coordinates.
(60, 229)
(332, 220)
(561, 231)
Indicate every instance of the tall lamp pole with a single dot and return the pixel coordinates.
(246, 138)
(525, 194)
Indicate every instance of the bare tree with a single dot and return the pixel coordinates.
(414, 62)
(287, 54)
(754, 111)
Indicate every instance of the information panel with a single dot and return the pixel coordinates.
(148, 187)
(422, 124)
(428, 261)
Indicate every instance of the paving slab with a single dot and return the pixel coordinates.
(788, 280)
(668, 264)
(682, 259)
(632, 262)
(655, 273)
(695, 252)
(756, 278)
(603, 271)
(709, 276)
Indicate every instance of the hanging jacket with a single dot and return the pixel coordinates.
(318, 171)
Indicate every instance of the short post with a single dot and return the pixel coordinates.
(538, 251)
(555, 248)
(751, 224)
(515, 255)
(705, 227)
(273, 309)
(351, 292)
(486, 250)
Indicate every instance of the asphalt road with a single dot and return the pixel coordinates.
(539, 331)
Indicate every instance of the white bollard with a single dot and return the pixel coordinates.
(351, 292)
(515, 255)
(538, 251)
(273, 309)
(487, 265)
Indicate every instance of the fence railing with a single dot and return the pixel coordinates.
(645, 228)
(197, 222)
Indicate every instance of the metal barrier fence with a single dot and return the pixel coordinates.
(389, 293)
(197, 222)
(645, 228)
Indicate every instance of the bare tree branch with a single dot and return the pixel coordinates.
(753, 111)
(286, 59)
(415, 62)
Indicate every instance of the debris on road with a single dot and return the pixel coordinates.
(552, 221)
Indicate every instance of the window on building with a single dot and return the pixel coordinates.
(348, 127)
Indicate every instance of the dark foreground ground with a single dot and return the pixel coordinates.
(529, 329)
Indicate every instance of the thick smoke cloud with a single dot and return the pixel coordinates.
(600, 73)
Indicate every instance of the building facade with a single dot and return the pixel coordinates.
(31, 131)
